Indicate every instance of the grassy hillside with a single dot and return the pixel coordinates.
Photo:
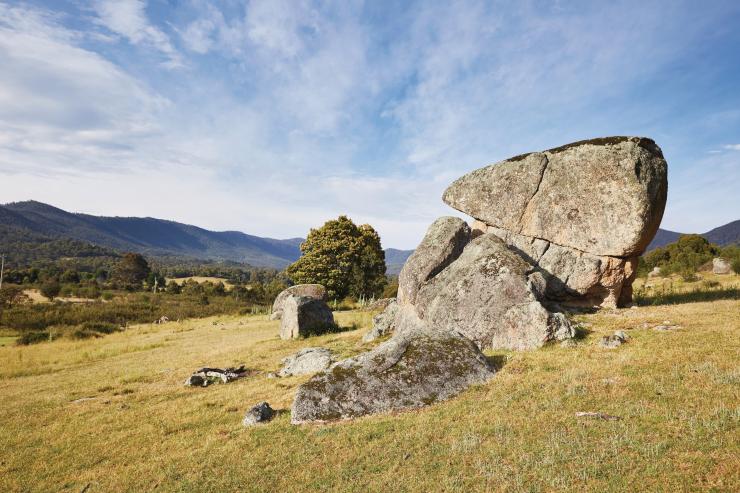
(112, 414)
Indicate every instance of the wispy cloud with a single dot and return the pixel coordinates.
(128, 18)
(732, 147)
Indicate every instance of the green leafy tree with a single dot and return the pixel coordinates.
(684, 256)
(344, 258)
(131, 271)
(50, 289)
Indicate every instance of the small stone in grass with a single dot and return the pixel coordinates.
(614, 341)
(260, 413)
(606, 417)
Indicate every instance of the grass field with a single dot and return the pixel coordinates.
(112, 414)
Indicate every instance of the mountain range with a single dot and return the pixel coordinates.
(159, 237)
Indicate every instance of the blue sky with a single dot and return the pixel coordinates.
(271, 117)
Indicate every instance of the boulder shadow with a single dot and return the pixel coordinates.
(497, 361)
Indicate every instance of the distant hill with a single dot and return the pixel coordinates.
(394, 260)
(729, 234)
(150, 236)
(34, 230)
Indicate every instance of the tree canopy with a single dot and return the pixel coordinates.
(345, 258)
(131, 271)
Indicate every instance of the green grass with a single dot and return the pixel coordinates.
(111, 414)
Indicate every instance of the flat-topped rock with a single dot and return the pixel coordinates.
(304, 316)
(316, 291)
(603, 196)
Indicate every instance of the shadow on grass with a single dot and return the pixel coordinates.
(696, 296)
(332, 329)
(497, 361)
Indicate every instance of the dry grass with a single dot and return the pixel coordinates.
(112, 415)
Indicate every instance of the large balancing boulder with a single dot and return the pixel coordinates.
(304, 316)
(491, 295)
(405, 372)
(603, 196)
(316, 291)
(443, 243)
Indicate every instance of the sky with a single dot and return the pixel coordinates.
(271, 117)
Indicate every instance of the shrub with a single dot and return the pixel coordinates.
(736, 266)
(50, 290)
(32, 338)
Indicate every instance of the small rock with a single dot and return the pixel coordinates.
(206, 376)
(666, 327)
(606, 417)
(260, 413)
(614, 341)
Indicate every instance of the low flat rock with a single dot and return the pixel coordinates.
(305, 361)
(304, 316)
(316, 291)
(490, 295)
(603, 196)
(405, 372)
(443, 242)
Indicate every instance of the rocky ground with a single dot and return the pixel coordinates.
(661, 410)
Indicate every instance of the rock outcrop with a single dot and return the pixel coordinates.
(583, 212)
(492, 296)
(442, 244)
(305, 361)
(721, 266)
(383, 323)
(554, 228)
(303, 316)
(405, 372)
(316, 291)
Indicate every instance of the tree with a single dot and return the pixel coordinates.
(50, 289)
(131, 271)
(344, 258)
(684, 256)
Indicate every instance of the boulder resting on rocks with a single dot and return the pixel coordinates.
(305, 361)
(316, 291)
(405, 372)
(303, 316)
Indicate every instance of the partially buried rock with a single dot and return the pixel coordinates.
(383, 323)
(206, 376)
(492, 296)
(305, 361)
(614, 341)
(316, 291)
(406, 372)
(443, 243)
(303, 316)
(260, 413)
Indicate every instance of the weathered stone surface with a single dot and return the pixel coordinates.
(491, 296)
(721, 266)
(260, 413)
(380, 304)
(603, 196)
(405, 372)
(305, 361)
(206, 376)
(316, 291)
(573, 277)
(614, 341)
(303, 316)
(443, 243)
(383, 323)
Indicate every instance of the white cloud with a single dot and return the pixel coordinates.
(128, 19)
(732, 147)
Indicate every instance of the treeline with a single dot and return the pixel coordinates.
(686, 256)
